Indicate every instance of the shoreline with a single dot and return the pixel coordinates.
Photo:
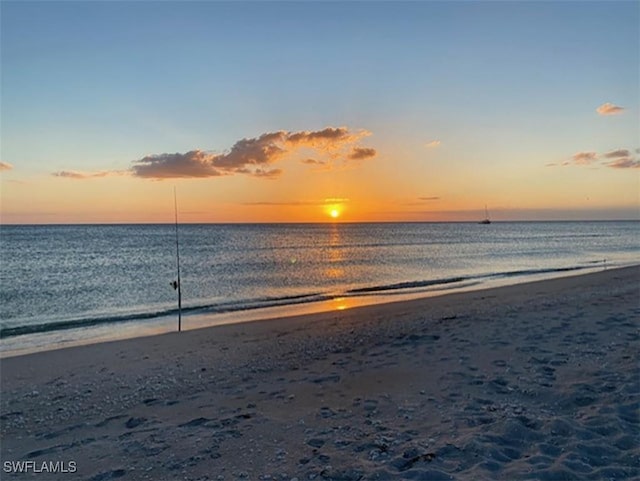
(30, 343)
(528, 381)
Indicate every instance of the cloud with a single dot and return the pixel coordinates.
(299, 203)
(263, 150)
(254, 156)
(609, 109)
(5, 166)
(432, 144)
(614, 154)
(326, 137)
(195, 163)
(616, 159)
(421, 201)
(360, 153)
(313, 162)
(74, 174)
(279, 204)
(263, 173)
(584, 158)
(624, 163)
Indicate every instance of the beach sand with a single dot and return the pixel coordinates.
(533, 381)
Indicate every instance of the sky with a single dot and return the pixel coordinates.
(318, 111)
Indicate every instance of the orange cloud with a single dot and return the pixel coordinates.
(262, 173)
(422, 201)
(614, 154)
(299, 203)
(73, 174)
(624, 163)
(292, 203)
(621, 159)
(432, 144)
(195, 163)
(254, 156)
(359, 153)
(609, 109)
(5, 166)
(584, 158)
(262, 150)
(326, 138)
(313, 162)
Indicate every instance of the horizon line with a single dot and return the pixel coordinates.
(35, 224)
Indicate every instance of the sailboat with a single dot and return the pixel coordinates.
(486, 219)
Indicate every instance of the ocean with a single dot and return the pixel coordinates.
(64, 283)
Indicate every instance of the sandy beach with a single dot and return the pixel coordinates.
(533, 381)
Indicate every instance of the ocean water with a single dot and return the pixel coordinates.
(62, 278)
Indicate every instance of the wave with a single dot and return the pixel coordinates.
(265, 302)
(406, 285)
(531, 272)
(460, 279)
(219, 308)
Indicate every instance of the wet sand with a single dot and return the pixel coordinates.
(534, 381)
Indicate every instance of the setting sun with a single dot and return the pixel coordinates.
(334, 207)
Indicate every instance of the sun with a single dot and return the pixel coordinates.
(333, 210)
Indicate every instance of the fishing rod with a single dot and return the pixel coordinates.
(176, 284)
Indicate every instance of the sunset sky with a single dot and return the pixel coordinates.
(297, 111)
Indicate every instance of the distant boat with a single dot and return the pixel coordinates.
(486, 219)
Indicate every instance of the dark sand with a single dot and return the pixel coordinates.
(534, 381)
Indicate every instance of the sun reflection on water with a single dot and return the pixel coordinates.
(335, 255)
(341, 303)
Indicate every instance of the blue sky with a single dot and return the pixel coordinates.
(94, 86)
